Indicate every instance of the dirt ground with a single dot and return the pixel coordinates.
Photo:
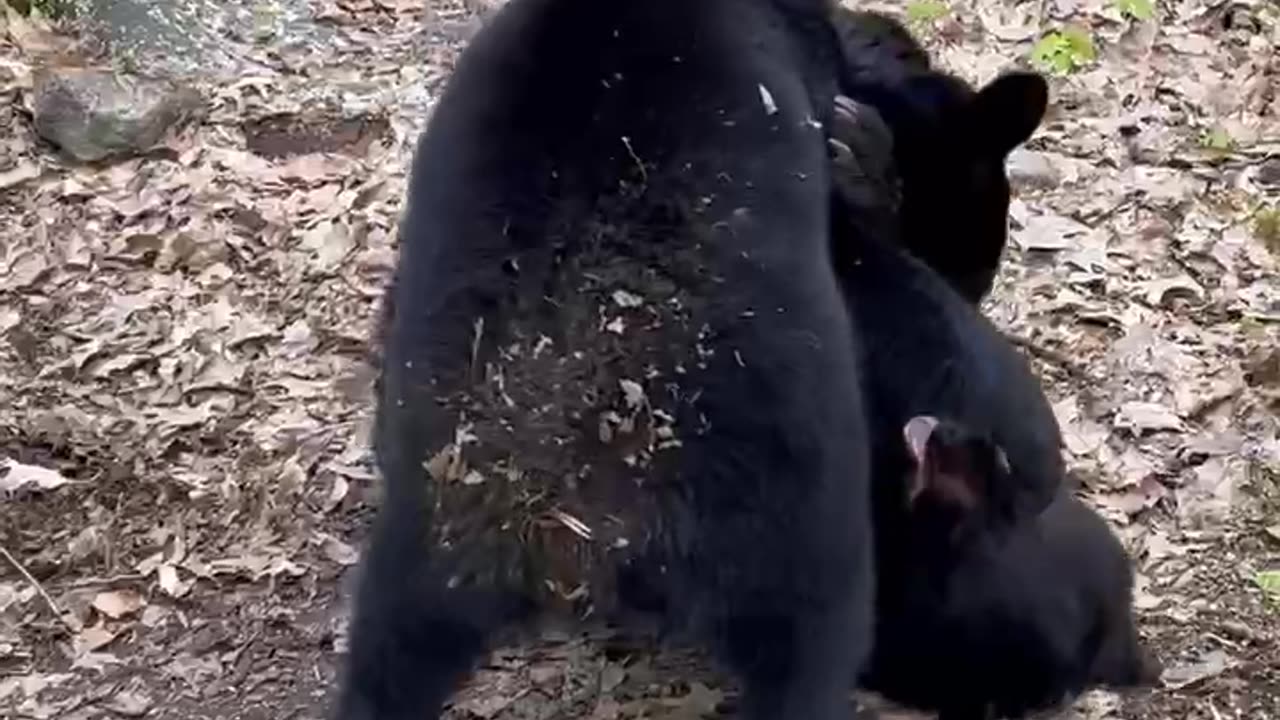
(185, 364)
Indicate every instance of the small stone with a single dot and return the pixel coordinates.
(95, 114)
(1031, 169)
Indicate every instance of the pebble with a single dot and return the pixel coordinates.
(1031, 169)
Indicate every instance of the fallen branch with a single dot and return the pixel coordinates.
(34, 583)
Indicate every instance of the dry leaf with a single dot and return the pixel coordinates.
(340, 552)
(1049, 232)
(766, 99)
(8, 595)
(97, 661)
(338, 492)
(1143, 416)
(31, 685)
(129, 704)
(16, 475)
(171, 583)
(701, 702)
(1210, 664)
(92, 638)
(118, 603)
(1158, 292)
(18, 175)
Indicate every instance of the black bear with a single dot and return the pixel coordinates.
(615, 338)
(950, 145)
(919, 163)
(968, 618)
(926, 350)
(988, 624)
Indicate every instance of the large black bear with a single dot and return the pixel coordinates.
(615, 338)
(926, 348)
(956, 629)
(989, 624)
(950, 145)
(919, 163)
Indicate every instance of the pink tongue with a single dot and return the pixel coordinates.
(916, 432)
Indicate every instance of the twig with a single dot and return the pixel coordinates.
(34, 583)
(1058, 358)
(95, 581)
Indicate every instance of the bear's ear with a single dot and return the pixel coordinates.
(949, 465)
(1008, 109)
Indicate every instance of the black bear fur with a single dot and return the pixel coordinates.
(615, 338)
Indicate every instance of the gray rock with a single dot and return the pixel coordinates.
(1269, 172)
(201, 37)
(95, 114)
(1031, 169)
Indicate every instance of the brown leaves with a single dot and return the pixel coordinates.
(174, 330)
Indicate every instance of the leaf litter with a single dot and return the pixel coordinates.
(186, 369)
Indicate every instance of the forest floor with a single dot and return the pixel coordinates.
(186, 370)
